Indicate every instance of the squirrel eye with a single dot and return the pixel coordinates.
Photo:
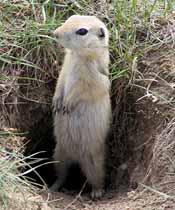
(82, 31)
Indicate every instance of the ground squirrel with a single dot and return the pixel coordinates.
(81, 101)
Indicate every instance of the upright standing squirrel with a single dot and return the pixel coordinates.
(81, 101)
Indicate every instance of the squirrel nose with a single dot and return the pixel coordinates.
(56, 35)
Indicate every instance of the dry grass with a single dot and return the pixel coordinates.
(161, 170)
(14, 191)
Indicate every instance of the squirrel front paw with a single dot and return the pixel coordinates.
(60, 106)
(57, 103)
(67, 108)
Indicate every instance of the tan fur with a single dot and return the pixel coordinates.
(81, 102)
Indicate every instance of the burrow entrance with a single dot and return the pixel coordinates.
(118, 148)
(140, 128)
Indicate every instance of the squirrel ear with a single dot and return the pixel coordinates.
(101, 33)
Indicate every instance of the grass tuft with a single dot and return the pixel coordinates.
(12, 186)
(16, 191)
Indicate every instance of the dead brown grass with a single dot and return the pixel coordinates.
(161, 169)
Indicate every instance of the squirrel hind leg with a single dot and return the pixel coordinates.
(93, 169)
(61, 172)
(61, 165)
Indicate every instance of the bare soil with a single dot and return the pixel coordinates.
(133, 200)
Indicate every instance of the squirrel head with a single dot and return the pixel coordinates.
(83, 34)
